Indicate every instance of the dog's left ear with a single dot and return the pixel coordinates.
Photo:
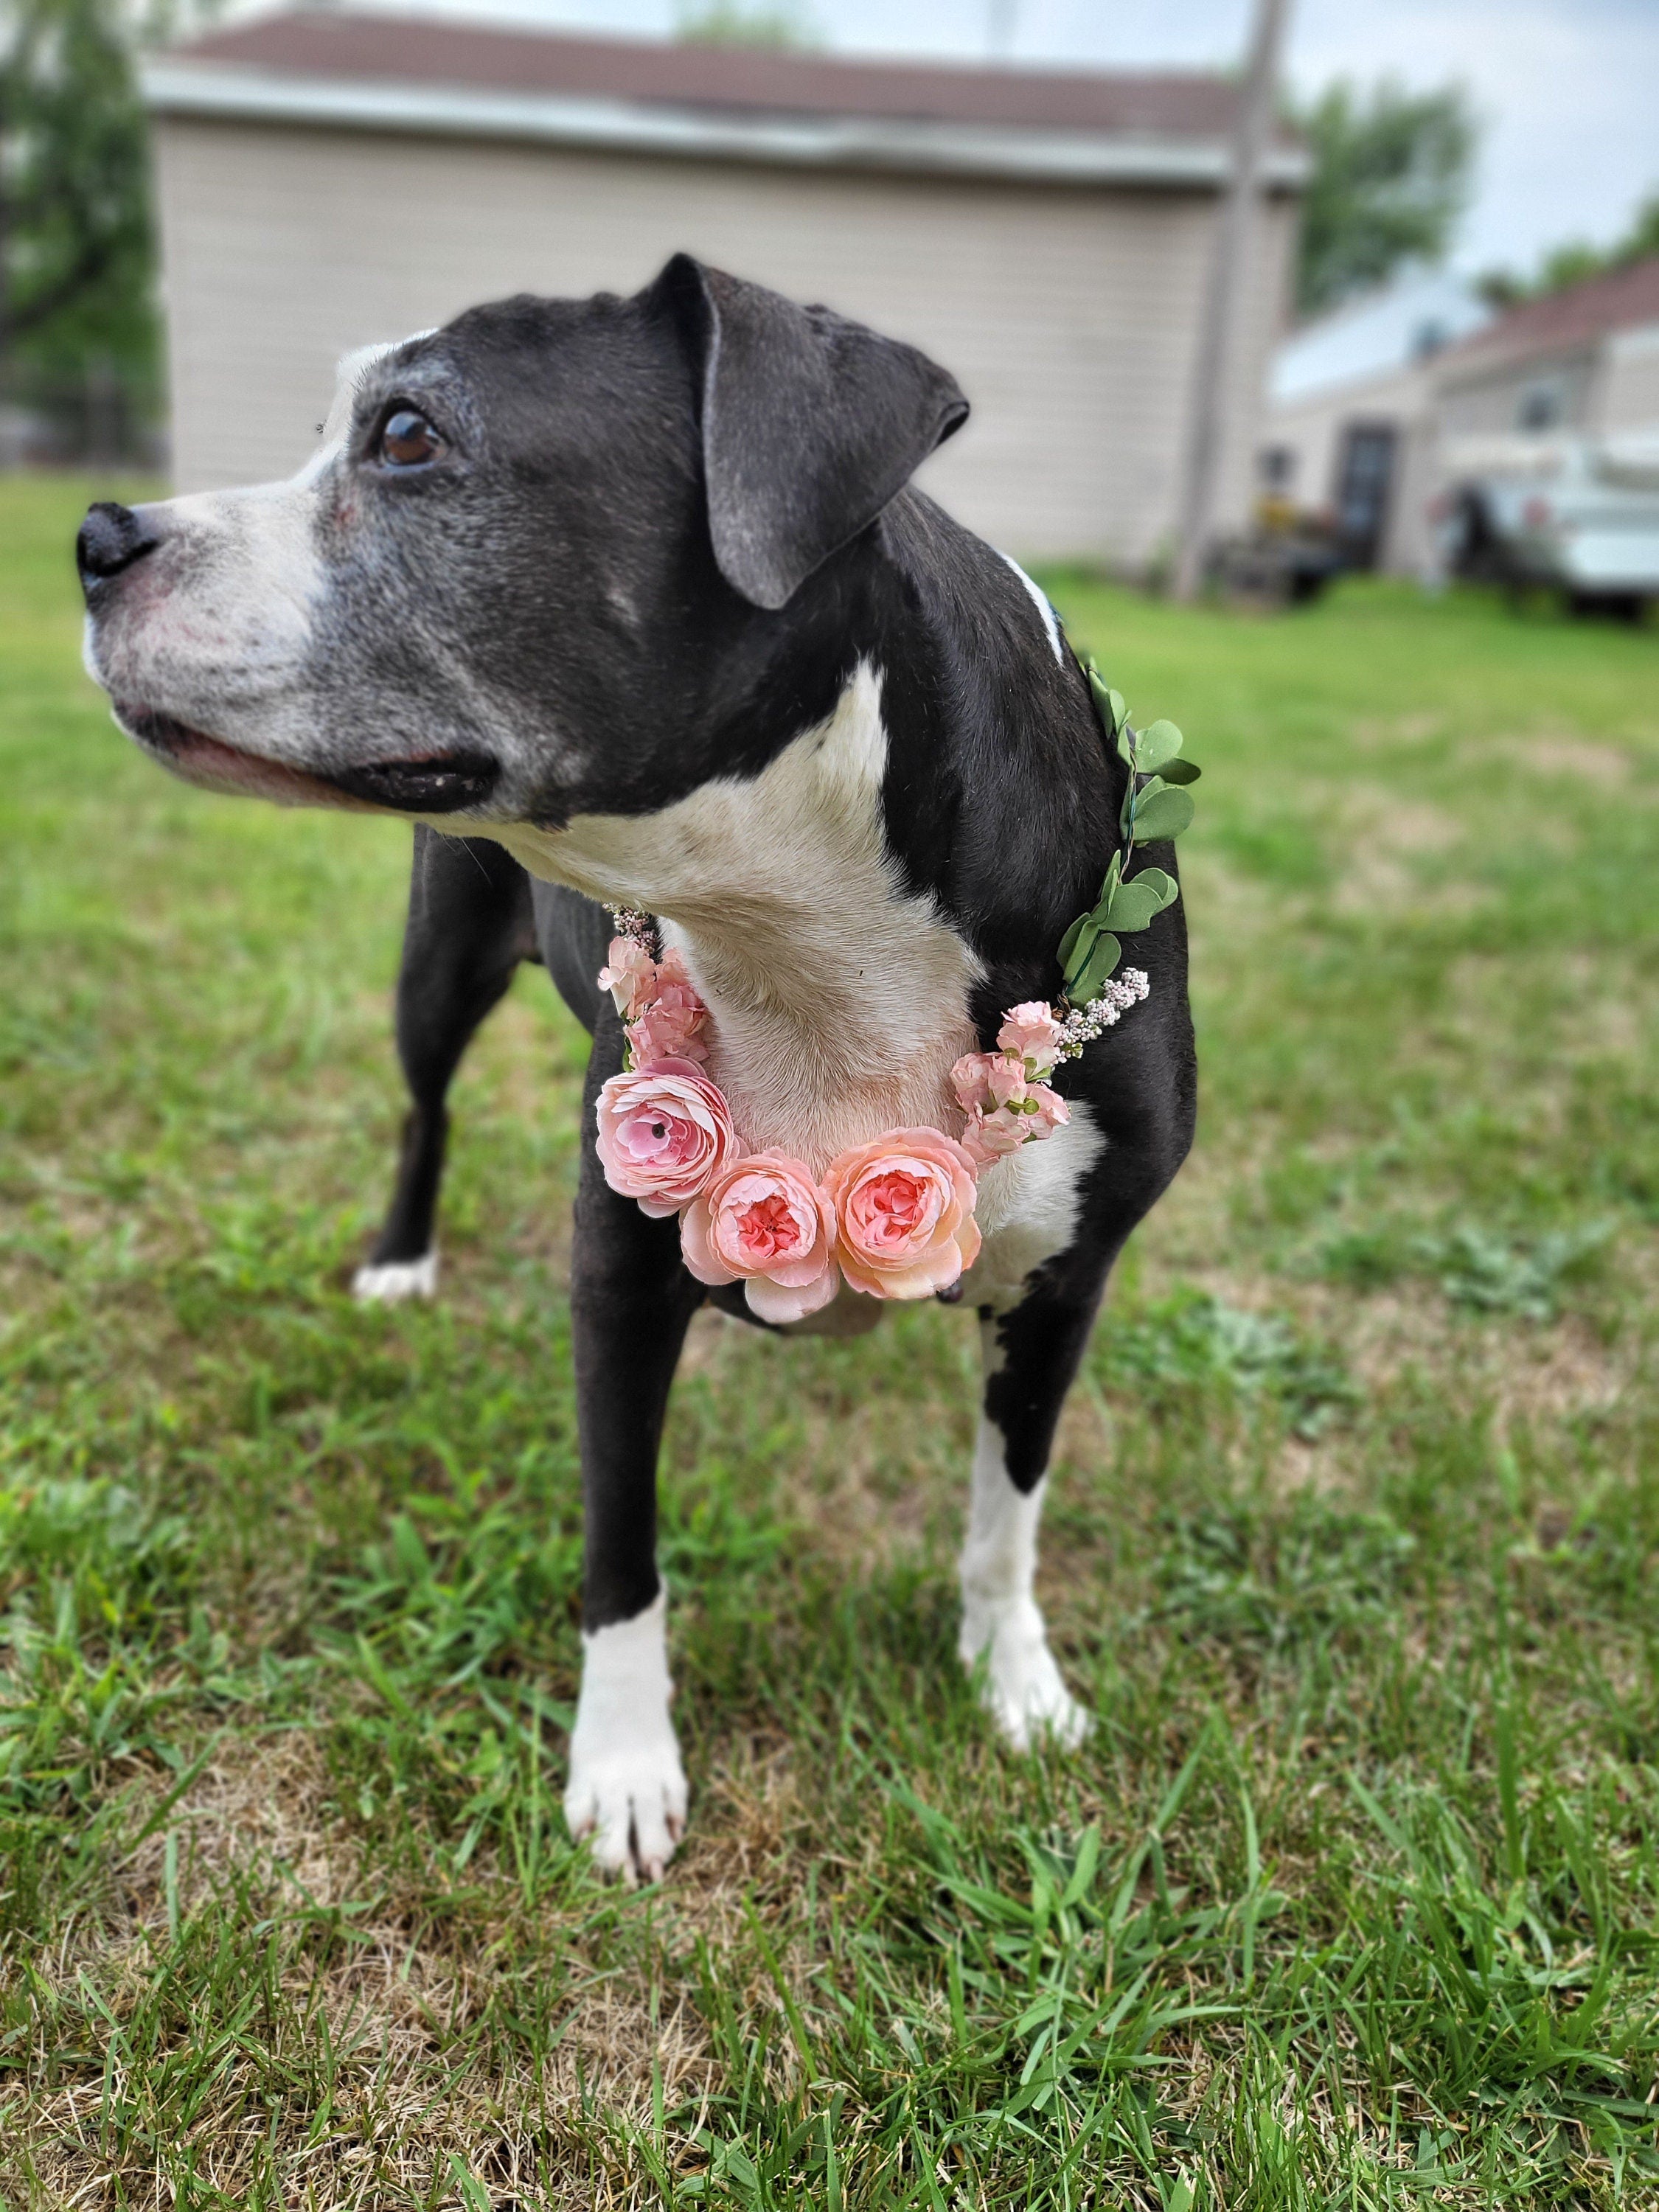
(810, 424)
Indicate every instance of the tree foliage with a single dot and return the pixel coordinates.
(1391, 176)
(76, 243)
(1571, 263)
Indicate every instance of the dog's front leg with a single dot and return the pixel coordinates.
(1031, 1354)
(630, 1301)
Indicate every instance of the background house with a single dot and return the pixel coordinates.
(1348, 427)
(1376, 410)
(327, 179)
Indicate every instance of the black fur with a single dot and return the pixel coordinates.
(659, 537)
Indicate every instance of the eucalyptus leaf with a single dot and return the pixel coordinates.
(1153, 746)
(1125, 744)
(1082, 946)
(1161, 813)
(1097, 971)
(1108, 882)
(1116, 700)
(1139, 899)
(1181, 771)
(1068, 942)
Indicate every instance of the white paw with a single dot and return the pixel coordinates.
(1021, 1688)
(630, 1799)
(391, 1281)
(626, 1788)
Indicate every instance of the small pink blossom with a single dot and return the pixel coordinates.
(1051, 1112)
(904, 1213)
(992, 1136)
(1005, 1079)
(764, 1221)
(670, 1024)
(1031, 1033)
(970, 1079)
(1036, 1114)
(664, 1131)
(630, 977)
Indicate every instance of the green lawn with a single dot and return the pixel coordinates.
(1352, 1898)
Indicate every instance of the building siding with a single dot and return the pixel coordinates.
(1068, 314)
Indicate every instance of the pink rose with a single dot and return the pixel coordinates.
(664, 1131)
(630, 977)
(764, 1221)
(1030, 1032)
(904, 1213)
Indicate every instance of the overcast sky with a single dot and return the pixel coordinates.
(1568, 90)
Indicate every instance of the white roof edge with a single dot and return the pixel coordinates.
(227, 90)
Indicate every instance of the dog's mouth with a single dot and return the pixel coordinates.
(437, 783)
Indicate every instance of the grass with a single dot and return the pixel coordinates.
(1351, 1901)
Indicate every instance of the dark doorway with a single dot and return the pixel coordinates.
(1364, 481)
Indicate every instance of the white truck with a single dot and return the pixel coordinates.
(1578, 515)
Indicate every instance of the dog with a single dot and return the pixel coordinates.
(630, 602)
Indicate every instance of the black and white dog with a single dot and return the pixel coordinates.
(632, 596)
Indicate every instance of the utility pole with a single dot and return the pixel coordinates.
(1224, 298)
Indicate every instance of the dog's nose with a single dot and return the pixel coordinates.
(111, 539)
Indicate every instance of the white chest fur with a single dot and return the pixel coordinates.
(838, 1002)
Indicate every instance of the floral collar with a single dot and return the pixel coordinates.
(893, 1218)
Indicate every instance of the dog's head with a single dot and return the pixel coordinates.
(525, 573)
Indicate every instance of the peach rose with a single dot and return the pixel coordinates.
(630, 977)
(904, 1213)
(764, 1222)
(665, 1132)
(1031, 1033)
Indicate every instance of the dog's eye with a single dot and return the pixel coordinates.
(408, 441)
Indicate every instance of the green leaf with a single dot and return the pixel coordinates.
(1153, 746)
(1108, 882)
(1181, 771)
(1068, 942)
(1139, 899)
(1109, 704)
(1082, 950)
(1101, 961)
(1161, 813)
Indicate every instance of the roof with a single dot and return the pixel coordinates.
(1377, 335)
(420, 72)
(1565, 322)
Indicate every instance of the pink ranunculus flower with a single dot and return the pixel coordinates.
(1031, 1033)
(904, 1213)
(630, 977)
(665, 1132)
(765, 1222)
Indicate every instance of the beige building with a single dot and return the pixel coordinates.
(328, 180)
(1378, 409)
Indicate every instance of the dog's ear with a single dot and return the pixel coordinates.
(810, 424)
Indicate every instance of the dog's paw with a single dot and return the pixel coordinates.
(1006, 1648)
(389, 1282)
(626, 1788)
(630, 1798)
